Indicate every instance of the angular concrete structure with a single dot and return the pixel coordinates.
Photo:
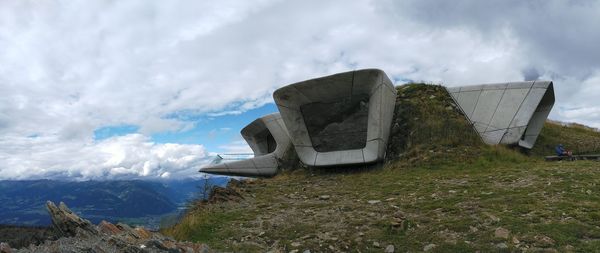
(268, 139)
(506, 113)
(341, 119)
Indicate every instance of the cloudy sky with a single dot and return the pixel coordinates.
(93, 89)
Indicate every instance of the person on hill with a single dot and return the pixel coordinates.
(561, 151)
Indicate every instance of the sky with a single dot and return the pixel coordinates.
(137, 89)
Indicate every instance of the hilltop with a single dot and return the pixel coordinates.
(440, 190)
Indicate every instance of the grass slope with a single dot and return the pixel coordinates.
(440, 189)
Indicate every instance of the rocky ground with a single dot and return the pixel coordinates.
(80, 235)
(519, 206)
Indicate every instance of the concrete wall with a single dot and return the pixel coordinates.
(268, 139)
(506, 113)
(339, 119)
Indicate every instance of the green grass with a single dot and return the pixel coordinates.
(435, 188)
(578, 138)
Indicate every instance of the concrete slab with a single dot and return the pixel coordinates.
(269, 140)
(468, 99)
(511, 113)
(486, 107)
(334, 117)
(510, 103)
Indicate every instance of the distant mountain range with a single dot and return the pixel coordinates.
(130, 201)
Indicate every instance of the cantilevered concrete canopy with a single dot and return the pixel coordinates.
(268, 139)
(506, 113)
(339, 119)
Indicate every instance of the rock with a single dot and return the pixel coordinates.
(5, 248)
(66, 223)
(473, 229)
(306, 237)
(543, 241)
(429, 247)
(502, 245)
(108, 228)
(306, 251)
(294, 251)
(501, 233)
(226, 194)
(376, 245)
(389, 249)
(296, 244)
(515, 240)
(80, 235)
(373, 201)
(492, 217)
(569, 248)
(324, 197)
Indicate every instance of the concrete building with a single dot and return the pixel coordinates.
(341, 119)
(268, 139)
(506, 113)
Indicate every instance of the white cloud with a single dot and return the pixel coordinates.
(70, 67)
(129, 156)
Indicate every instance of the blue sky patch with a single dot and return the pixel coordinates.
(111, 131)
(215, 132)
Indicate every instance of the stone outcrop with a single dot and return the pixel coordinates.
(66, 223)
(80, 235)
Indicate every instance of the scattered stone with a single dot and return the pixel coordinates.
(515, 240)
(501, 233)
(429, 247)
(373, 201)
(473, 229)
(231, 193)
(324, 197)
(543, 241)
(294, 251)
(502, 245)
(376, 245)
(492, 217)
(261, 234)
(390, 199)
(389, 249)
(296, 244)
(306, 251)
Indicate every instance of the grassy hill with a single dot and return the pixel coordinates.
(440, 190)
